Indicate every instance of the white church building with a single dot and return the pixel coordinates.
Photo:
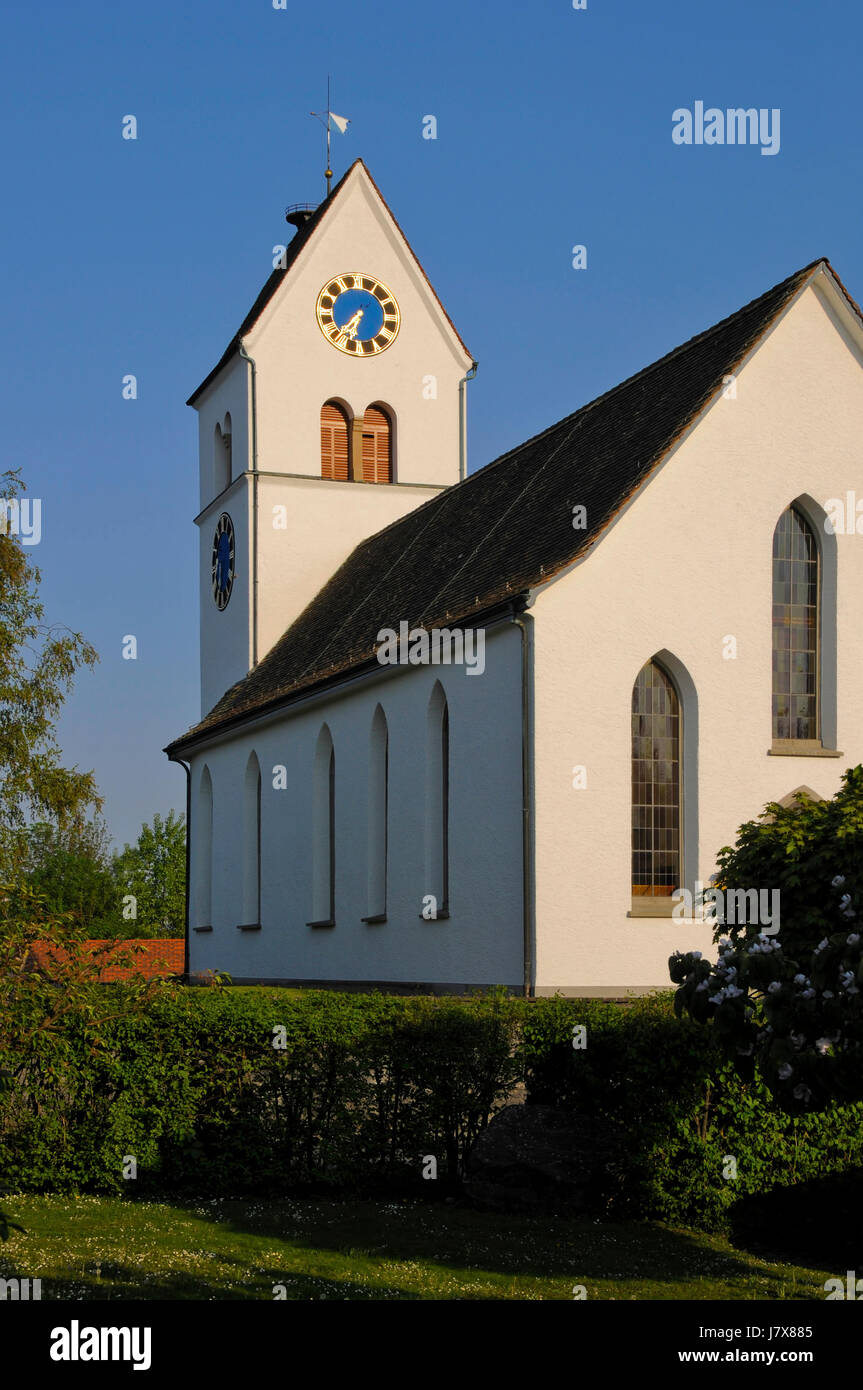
(461, 731)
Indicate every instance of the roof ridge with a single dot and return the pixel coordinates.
(597, 400)
(657, 362)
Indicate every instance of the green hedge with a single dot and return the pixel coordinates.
(361, 1090)
(367, 1086)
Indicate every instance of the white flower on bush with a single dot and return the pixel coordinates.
(853, 939)
(845, 906)
(726, 992)
(822, 945)
(837, 881)
(828, 994)
(762, 945)
(800, 980)
(802, 1092)
(808, 993)
(774, 987)
(784, 1071)
(822, 1046)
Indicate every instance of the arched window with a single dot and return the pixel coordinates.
(227, 436)
(378, 816)
(437, 802)
(335, 433)
(377, 446)
(657, 868)
(204, 852)
(796, 598)
(221, 460)
(324, 833)
(252, 844)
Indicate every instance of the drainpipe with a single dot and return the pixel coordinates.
(246, 358)
(188, 771)
(525, 627)
(462, 421)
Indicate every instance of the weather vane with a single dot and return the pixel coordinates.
(341, 123)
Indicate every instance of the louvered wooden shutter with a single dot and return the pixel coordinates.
(334, 443)
(377, 447)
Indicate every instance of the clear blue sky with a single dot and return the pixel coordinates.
(554, 128)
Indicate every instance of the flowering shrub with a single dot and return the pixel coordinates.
(681, 1110)
(791, 1004)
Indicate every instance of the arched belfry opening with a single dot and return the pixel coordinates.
(377, 445)
(335, 442)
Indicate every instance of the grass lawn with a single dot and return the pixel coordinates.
(93, 1248)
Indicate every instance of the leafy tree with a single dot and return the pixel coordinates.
(789, 1001)
(153, 872)
(37, 667)
(72, 870)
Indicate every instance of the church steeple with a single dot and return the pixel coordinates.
(342, 401)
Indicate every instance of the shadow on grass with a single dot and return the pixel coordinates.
(820, 1221)
(464, 1242)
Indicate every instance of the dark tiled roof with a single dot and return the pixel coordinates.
(301, 237)
(508, 527)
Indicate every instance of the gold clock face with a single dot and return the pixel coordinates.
(358, 314)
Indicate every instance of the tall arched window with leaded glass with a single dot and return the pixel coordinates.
(656, 787)
(796, 591)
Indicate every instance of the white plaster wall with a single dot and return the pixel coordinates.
(481, 942)
(325, 521)
(688, 563)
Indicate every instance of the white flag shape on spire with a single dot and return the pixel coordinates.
(342, 122)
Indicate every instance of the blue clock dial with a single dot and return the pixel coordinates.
(223, 561)
(358, 314)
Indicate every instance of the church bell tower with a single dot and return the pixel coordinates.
(337, 407)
